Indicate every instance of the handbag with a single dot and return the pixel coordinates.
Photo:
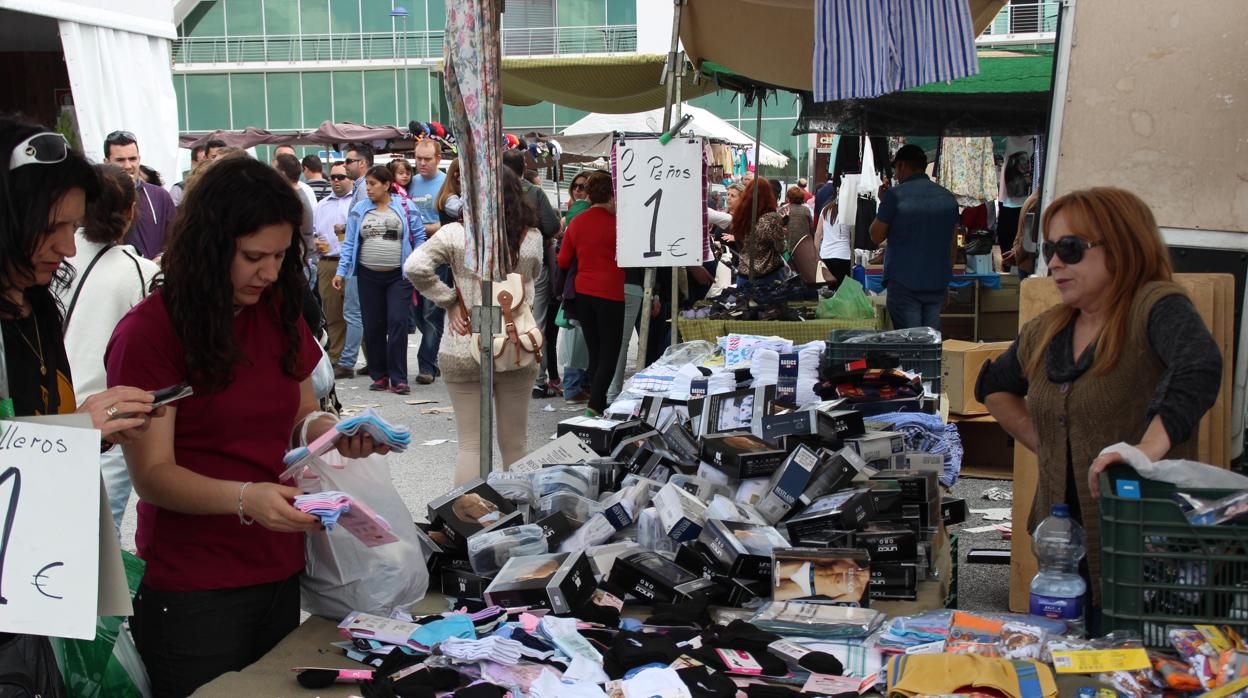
(979, 242)
(520, 342)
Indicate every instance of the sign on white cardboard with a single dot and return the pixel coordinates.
(659, 203)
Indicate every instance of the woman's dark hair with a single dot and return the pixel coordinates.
(518, 214)
(394, 165)
(598, 187)
(795, 195)
(742, 221)
(381, 173)
(27, 196)
(234, 198)
(108, 217)
(151, 176)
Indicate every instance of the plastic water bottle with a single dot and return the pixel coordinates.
(1057, 590)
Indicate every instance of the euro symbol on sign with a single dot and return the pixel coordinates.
(40, 574)
(672, 248)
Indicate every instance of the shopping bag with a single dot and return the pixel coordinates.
(341, 574)
(849, 302)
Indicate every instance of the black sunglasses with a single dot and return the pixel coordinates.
(577, 186)
(120, 137)
(1069, 249)
(348, 161)
(337, 177)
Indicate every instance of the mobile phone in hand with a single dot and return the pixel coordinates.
(173, 393)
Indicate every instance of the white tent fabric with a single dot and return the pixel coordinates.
(704, 124)
(100, 61)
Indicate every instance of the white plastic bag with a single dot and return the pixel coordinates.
(341, 574)
(1181, 473)
(323, 376)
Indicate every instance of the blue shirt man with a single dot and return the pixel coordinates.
(918, 218)
(424, 189)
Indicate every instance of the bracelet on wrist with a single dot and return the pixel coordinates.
(243, 518)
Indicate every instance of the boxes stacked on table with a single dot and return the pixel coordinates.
(743, 499)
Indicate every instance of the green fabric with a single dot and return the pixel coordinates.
(613, 84)
(999, 74)
(575, 209)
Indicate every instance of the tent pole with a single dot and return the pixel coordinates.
(675, 297)
(672, 77)
(758, 135)
(489, 315)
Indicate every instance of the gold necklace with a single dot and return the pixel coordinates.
(36, 348)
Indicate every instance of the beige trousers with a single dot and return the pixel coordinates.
(512, 392)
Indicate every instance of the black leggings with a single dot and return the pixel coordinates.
(602, 321)
(840, 268)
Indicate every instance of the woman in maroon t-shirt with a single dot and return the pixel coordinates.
(218, 592)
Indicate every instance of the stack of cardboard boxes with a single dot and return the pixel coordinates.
(987, 450)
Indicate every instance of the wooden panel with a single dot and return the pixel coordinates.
(1212, 295)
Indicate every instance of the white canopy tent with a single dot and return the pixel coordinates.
(704, 124)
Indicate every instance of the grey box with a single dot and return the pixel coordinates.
(787, 484)
(877, 445)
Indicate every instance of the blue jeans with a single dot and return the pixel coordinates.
(575, 381)
(355, 322)
(385, 297)
(432, 322)
(914, 308)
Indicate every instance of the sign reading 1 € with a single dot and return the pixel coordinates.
(659, 204)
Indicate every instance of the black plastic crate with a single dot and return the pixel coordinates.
(923, 359)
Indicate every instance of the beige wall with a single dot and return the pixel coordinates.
(1157, 102)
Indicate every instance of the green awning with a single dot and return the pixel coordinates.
(623, 84)
(998, 73)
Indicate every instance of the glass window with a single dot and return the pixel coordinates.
(284, 102)
(344, 16)
(539, 117)
(243, 18)
(381, 104)
(437, 14)
(349, 97)
(208, 102)
(582, 13)
(621, 11)
(247, 101)
(179, 92)
(420, 87)
(317, 99)
(377, 15)
(780, 104)
(314, 16)
(207, 19)
(280, 17)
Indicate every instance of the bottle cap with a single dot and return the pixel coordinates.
(1061, 511)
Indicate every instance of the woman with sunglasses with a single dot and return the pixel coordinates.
(578, 200)
(44, 191)
(222, 541)
(1124, 358)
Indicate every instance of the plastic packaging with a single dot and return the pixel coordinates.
(850, 302)
(577, 508)
(515, 488)
(700, 488)
(912, 335)
(650, 535)
(1057, 590)
(578, 479)
(490, 550)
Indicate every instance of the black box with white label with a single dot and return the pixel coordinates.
(893, 580)
(886, 498)
(835, 472)
(725, 413)
(953, 510)
(787, 484)
(887, 543)
(561, 582)
(463, 584)
(556, 527)
(822, 539)
(841, 511)
(742, 456)
(650, 577)
(916, 485)
(829, 427)
(877, 445)
(468, 509)
(727, 591)
(602, 435)
(742, 550)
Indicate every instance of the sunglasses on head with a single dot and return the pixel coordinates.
(337, 177)
(45, 148)
(120, 137)
(1069, 249)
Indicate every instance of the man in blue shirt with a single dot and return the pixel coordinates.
(918, 218)
(424, 189)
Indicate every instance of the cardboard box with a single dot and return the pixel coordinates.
(822, 539)
(557, 527)
(837, 576)
(742, 456)
(651, 577)
(998, 327)
(601, 435)
(894, 580)
(886, 500)
(463, 584)
(987, 451)
(681, 515)
(561, 582)
(953, 510)
(877, 445)
(566, 449)
(835, 472)
(787, 484)
(918, 460)
(468, 509)
(742, 551)
(841, 511)
(723, 413)
(917, 486)
(602, 557)
(960, 364)
(886, 543)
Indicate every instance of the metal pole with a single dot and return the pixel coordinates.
(758, 135)
(647, 295)
(675, 297)
(407, 86)
(487, 313)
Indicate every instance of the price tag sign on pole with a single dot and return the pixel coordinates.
(659, 203)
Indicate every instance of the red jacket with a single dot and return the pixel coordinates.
(590, 240)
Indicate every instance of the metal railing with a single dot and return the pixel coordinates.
(1037, 18)
(550, 41)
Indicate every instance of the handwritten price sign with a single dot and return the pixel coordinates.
(659, 203)
(49, 532)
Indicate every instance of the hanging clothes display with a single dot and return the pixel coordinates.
(968, 170)
(867, 48)
(1016, 180)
